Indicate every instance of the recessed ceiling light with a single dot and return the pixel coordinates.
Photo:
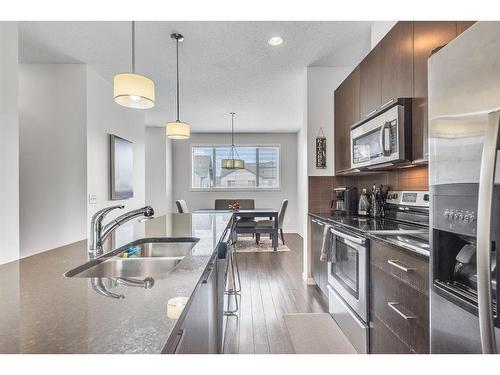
(275, 41)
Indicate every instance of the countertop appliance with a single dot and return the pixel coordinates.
(383, 139)
(464, 177)
(345, 201)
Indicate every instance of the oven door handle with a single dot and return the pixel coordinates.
(357, 240)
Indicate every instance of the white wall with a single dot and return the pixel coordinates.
(105, 117)
(169, 176)
(9, 144)
(158, 170)
(379, 29)
(321, 85)
(52, 146)
(181, 157)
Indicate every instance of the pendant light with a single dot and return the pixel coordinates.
(134, 90)
(234, 162)
(177, 129)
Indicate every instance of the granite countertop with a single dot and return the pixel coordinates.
(42, 311)
(418, 246)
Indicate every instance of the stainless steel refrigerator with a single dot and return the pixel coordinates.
(464, 177)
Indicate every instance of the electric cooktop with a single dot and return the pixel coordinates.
(366, 224)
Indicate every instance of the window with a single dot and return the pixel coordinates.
(261, 168)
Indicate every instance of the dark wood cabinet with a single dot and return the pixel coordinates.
(395, 68)
(399, 300)
(397, 62)
(428, 35)
(199, 328)
(346, 113)
(370, 96)
(464, 25)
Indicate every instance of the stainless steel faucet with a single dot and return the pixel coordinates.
(100, 232)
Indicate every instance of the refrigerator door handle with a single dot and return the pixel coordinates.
(483, 252)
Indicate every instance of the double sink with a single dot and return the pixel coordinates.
(147, 257)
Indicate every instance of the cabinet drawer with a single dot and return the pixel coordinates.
(411, 269)
(383, 341)
(402, 308)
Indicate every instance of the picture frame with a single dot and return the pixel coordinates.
(320, 150)
(121, 168)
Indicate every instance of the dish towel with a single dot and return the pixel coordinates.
(326, 247)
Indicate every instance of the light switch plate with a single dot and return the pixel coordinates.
(92, 199)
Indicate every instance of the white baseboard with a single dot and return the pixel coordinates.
(308, 280)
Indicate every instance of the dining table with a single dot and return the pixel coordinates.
(270, 213)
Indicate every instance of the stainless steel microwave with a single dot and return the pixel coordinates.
(383, 139)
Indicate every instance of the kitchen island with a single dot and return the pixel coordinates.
(42, 311)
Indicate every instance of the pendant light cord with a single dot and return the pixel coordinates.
(232, 129)
(177, 79)
(133, 46)
(233, 151)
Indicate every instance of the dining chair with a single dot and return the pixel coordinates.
(182, 206)
(243, 223)
(264, 225)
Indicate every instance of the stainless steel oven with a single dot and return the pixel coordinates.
(348, 286)
(383, 139)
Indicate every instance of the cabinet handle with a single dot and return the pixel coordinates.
(401, 266)
(389, 102)
(208, 272)
(371, 113)
(393, 305)
(180, 334)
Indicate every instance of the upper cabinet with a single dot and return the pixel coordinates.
(370, 97)
(464, 25)
(395, 68)
(397, 62)
(346, 113)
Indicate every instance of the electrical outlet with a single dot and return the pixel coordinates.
(92, 199)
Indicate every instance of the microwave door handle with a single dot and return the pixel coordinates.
(385, 152)
(483, 251)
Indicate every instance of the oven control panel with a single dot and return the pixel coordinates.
(409, 198)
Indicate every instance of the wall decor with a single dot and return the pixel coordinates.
(121, 168)
(320, 150)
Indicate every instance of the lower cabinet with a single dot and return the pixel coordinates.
(198, 332)
(319, 268)
(399, 300)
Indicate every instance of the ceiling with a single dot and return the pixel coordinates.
(224, 66)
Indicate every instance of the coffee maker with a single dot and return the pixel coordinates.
(345, 201)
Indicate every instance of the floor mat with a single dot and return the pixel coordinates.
(316, 333)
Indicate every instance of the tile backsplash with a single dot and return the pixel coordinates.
(321, 187)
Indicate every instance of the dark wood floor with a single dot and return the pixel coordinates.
(271, 286)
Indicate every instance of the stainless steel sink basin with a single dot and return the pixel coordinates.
(165, 249)
(131, 267)
(147, 257)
